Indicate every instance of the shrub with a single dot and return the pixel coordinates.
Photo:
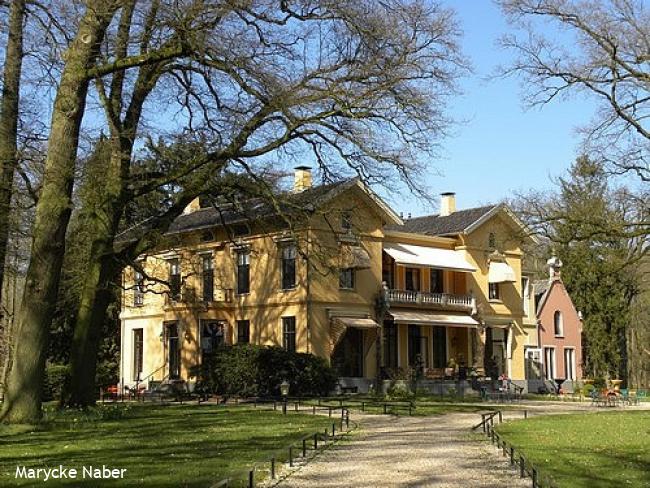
(251, 370)
(56, 378)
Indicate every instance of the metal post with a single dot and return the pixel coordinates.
(522, 467)
(525, 414)
(333, 430)
(315, 441)
(297, 406)
(329, 411)
(273, 468)
(363, 406)
(251, 478)
(275, 405)
(347, 419)
(505, 449)
(534, 478)
(314, 409)
(384, 409)
(291, 457)
(284, 407)
(304, 448)
(500, 417)
(512, 455)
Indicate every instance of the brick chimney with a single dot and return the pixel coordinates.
(301, 178)
(554, 268)
(447, 203)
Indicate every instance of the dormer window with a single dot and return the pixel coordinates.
(346, 222)
(492, 241)
(240, 230)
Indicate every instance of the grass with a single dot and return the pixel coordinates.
(586, 450)
(161, 446)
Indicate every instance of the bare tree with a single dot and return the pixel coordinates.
(362, 85)
(597, 47)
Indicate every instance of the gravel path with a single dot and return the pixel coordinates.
(393, 452)
(408, 452)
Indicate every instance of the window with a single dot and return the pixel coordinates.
(212, 335)
(240, 230)
(569, 364)
(346, 278)
(243, 271)
(138, 349)
(173, 345)
(494, 292)
(549, 363)
(243, 331)
(525, 294)
(207, 236)
(138, 290)
(288, 267)
(346, 222)
(414, 344)
(436, 285)
(390, 344)
(208, 278)
(412, 279)
(492, 241)
(289, 333)
(558, 326)
(439, 335)
(175, 279)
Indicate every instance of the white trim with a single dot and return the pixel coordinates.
(553, 348)
(574, 371)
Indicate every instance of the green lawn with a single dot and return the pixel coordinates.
(608, 449)
(160, 446)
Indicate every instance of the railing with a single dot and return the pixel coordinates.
(517, 458)
(425, 298)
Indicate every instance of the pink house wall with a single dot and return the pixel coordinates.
(558, 299)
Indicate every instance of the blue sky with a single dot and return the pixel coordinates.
(502, 147)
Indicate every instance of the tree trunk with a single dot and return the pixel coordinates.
(103, 269)
(23, 398)
(8, 139)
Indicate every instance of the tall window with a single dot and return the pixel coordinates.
(549, 363)
(208, 278)
(558, 326)
(439, 335)
(212, 335)
(175, 279)
(288, 267)
(243, 271)
(414, 344)
(570, 364)
(243, 331)
(138, 289)
(138, 349)
(412, 279)
(436, 281)
(390, 344)
(494, 291)
(289, 333)
(346, 278)
(173, 344)
(525, 294)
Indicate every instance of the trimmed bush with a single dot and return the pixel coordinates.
(251, 370)
(56, 378)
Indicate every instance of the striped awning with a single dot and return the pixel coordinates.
(431, 318)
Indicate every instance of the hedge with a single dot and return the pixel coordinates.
(251, 370)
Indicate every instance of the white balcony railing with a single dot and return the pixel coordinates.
(443, 300)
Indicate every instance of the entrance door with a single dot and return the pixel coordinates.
(347, 358)
(173, 350)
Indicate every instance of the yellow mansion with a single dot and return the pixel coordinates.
(353, 276)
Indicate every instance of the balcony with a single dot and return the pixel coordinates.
(441, 301)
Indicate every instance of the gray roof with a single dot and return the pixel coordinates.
(540, 287)
(436, 225)
(247, 211)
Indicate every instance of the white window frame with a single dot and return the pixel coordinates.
(525, 294)
(554, 363)
(573, 363)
